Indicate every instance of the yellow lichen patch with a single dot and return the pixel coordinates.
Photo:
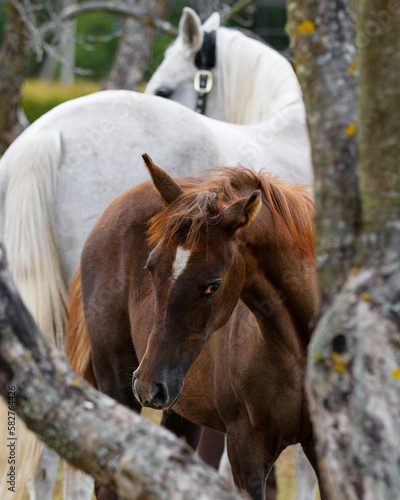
(75, 382)
(396, 373)
(351, 129)
(366, 296)
(396, 338)
(355, 271)
(318, 356)
(307, 27)
(339, 363)
(351, 68)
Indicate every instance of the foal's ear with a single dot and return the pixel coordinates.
(213, 22)
(190, 31)
(242, 212)
(164, 183)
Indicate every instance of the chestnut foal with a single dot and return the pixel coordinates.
(210, 284)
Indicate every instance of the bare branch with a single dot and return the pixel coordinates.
(235, 9)
(113, 7)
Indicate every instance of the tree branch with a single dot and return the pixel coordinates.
(113, 7)
(237, 7)
(131, 456)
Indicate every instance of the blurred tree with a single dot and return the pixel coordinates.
(64, 46)
(14, 53)
(133, 54)
(354, 358)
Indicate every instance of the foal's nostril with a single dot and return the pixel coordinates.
(135, 388)
(154, 395)
(160, 395)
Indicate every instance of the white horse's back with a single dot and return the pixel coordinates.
(99, 159)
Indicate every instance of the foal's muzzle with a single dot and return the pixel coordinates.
(153, 394)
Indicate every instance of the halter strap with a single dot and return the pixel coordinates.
(204, 60)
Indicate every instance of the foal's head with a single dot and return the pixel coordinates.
(198, 272)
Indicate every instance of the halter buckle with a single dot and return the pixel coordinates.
(199, 81)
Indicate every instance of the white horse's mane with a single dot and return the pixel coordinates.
(257, 81)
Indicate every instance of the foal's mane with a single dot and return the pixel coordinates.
(201, 205)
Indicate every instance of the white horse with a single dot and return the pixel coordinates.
(251, 81)
(60, 174)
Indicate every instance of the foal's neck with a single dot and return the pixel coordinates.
(281, 292)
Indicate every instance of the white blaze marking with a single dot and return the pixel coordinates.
(180, 262)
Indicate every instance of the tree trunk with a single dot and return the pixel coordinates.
(353, 377)
(131, 456)
(322, 37)
(378, 44)
(14, 55)
(64, 48)
(133, 54)
(354, 386)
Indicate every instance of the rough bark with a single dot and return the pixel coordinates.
(14, 55)
(133, 54)
(322, 37)
(354, 386)
(353, 377)
(378, 51)
(133, 457)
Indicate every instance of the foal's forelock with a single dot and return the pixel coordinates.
(201, 206)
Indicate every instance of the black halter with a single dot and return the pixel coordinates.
(204, 60)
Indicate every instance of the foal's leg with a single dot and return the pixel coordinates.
(211, 447)
(247, 457)
(116, 381)
(182, 427)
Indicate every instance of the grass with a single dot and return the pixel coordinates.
(39, 96)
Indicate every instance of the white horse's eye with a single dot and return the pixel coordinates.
(165, 92)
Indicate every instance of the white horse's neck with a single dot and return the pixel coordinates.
(256, 80)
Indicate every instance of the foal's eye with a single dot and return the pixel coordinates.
(149, 267)
(212, 287)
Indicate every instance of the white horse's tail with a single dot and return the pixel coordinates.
(35, 266)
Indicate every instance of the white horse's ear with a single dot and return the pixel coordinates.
(190, 31)
(212, 23)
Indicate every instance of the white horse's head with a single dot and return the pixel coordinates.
(174, 79)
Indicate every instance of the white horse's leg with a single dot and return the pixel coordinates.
(224, 468)
(307, 482)
(76, 484)
(42, 485)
